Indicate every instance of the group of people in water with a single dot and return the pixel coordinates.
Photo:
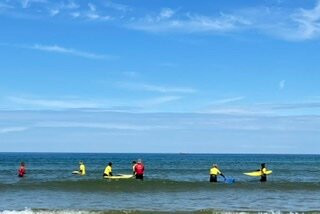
(138, 171)
(215, 172)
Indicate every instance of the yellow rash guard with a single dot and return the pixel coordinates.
(82, 169)
(108, 170)
(215, 171)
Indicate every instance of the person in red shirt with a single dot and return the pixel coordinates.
(22, 170)
(139, 170)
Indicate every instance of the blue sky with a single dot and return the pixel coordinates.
(160, 76)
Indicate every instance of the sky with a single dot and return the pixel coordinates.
(160, 76)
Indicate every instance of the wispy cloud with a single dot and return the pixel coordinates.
(69, 5)
(288, 106)
(292, 24)
(158, 101)
(166, 13)
(155, 88)
(92, 7)
(54, 12)
(282, 84)
(12, 129)
(227, 100)
(95, 125)
(190, 23)
(289, 24)
(308, 22)
(97, 105)
(27, 3)
(54, 104)
(117, 6)
(237, 110)
(69, 51)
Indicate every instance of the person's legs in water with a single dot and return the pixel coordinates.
(263, 178)
(139, 177)
(213, 178)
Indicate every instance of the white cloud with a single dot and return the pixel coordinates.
(239, 111)
(92, 7)
(54, 104)
(190, 23)
(63, 50)
(155, 88)
(70, 5)
(94, 125)
(54, 12)
(93, 16)
(288, 24)
(12, 129)
(117, 6)
(166, 13)
(308, 22)
(159, 100)
(27, 3)
(282, 84)
(75, 14)
(228, 100)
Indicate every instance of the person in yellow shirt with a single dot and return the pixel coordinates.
(82, 168)
(108, 170)
(263, 170)
(214, 172)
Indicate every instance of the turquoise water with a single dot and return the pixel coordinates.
(174, 183)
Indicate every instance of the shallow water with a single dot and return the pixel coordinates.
(173, 183)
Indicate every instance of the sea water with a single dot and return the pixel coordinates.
(174, 183)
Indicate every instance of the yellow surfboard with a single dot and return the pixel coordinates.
(257, 173)
(120, 176)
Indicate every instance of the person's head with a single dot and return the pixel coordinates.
(263, 165)
(134, 162)
(139, 161)
(110, 163)
(80, 162)
(22, 164)
(215, 165)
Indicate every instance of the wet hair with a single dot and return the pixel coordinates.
(22, 163)
(263, 165)
(134, 162)
(110, 164)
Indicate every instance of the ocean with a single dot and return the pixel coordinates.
(174, 183)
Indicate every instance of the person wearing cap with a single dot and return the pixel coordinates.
(214, 172)
(139, 170)
(82, 168)
(108, 170)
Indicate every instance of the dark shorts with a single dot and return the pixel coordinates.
(139, 177)
(263, 178)
(213, 178)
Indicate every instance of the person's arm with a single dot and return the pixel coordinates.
(223, 175)
(220, 173)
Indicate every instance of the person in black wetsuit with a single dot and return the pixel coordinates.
(263, 170)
